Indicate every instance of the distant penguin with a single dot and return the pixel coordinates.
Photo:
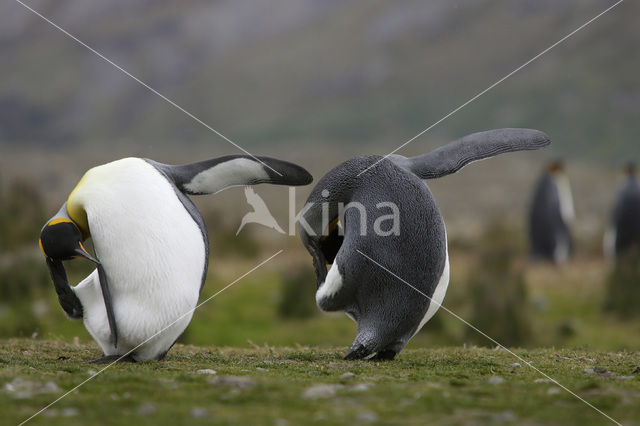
(550, 216)
(151, 246)
(387, 215)
(624, 232)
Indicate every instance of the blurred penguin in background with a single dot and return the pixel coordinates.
(624, 232)
(550, 216)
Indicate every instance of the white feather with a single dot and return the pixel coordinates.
(567, 210)
(331, 285)
(439, 293)
(234, 172)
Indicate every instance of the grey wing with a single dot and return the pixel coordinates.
(214, 175)
(455, 155)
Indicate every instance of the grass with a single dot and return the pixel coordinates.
(456, 385)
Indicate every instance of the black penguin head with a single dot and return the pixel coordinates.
(61, 239)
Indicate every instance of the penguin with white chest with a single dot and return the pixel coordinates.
(624, 233)
(151, 246)
(343, 224)
(550, 216)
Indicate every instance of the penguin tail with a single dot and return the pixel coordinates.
(211, 176)
(455, 155)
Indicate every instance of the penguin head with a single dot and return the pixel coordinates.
(61, 238)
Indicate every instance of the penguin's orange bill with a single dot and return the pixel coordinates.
(81, 251)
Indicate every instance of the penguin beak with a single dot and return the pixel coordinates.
(81, 251)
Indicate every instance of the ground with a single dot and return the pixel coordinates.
(279, 386)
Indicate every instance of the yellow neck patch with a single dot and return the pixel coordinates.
(332, 225)
(59, 220)
(76, 211)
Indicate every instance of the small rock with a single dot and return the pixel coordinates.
(319, 392)
(70, 412)
(198, 412)
(626, 377)
(603, 372)
(553, 391)
(515, 365)
(496, 380)
(236, 382)
(146, 409)
(600, 371)
(504, 417)
(367, 417)
(361, 387)
(262, 369)
(207, 371)
(22, 388)
(348, 375)
(543, 381)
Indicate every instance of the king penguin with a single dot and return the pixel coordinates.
(151, 246)
(550, 216)
(624, 232)
(390, 279)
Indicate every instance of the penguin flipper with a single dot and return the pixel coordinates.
(455, 155)
(214, 175)
(106, 296)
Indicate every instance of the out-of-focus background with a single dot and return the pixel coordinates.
(317, 82)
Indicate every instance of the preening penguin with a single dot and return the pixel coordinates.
(389, 216)
(550, 216)
(151, 246)
(625, 224)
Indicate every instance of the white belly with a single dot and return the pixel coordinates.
(331, 285)
(152, 251)
(438, 294)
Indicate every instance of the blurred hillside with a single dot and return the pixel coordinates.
(307, 73)
(317, 82)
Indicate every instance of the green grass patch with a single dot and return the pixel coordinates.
(286, 385)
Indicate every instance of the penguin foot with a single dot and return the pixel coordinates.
(359, 352)
(384, 355)
(108, 359)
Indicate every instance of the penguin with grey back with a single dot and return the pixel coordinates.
(387, 215)
(151, 246)
(624, 232)
(550, 216)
